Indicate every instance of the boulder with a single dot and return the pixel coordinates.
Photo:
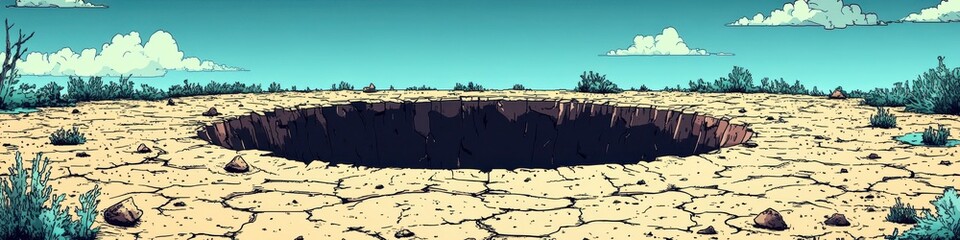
(370, 89)
(75, 111)
(837, 94)
(211, 112)
(707, 231)
(403, 233)
(237, 165)
(837, 220)
(770, 219)
(124, 214)
(143, 148)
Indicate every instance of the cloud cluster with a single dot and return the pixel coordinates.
(946, 11)
(668, 43)
(124, 55)
(55, 4)
(831, 14)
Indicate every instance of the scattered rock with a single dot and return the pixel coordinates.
(170, 102)
(844, 170)
(837, 94)
(75, 111)
(237, 165)
(707, 231)
(873, 156)
(837, 220)
(379, 186)
(124, 213)
(750, 144)
(946, 163)
(143, 148)
(818, 137)
(211, 112)
(294, 202)
(722, 157)
(641, 182)
(298, 238)
(179, 204)
(527, 179)
(370, 89)
(403, 233)
(771, 119)
(770, 219)
(82, 154)
(743, 110)
(241, 105)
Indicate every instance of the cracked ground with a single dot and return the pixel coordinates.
(810, 162)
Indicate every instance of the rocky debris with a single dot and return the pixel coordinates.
(837, 94)
(946, 163)
(241, 105)
(873, 156)
(770, 219)
(237, 165)
(641, 182)
(403, 233)
(750, 144)
(7, 144)
(837, 220)
(370, 89)
(170, 102)
(844, 170)
(211, 112)
(298, 238)
(378, 187)
(125, 213)
(179, 204)
(75, 111)
(771, 119)
(707, 231)
(83, 154)
(742, 110)
(143, 148)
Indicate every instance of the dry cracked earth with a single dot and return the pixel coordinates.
(810, 161)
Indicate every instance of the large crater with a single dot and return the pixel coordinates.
(481, 135)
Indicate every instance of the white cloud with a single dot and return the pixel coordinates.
(124, 55)
(668, 43)
(830, 14)
(56, 4)
(946, 11)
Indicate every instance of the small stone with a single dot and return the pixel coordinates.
(82, 154)
(241, 105)
(211, 112)
(379, 186)
(527, 179)
(946, 163)
(370, 89)
(750, 144)
(75, 111)
(707, 231)
(298, 238)
(170, 102)
(844, 170)
(837, 220)
(837, 94)
(770, 219)
(873, 156)
(7, 144)
(403, 233)
(295, 202)
(179, 204)
(771, 119)
(124, 213)
(237, 165)
(743, 110)
(143, 148)
(641, 182)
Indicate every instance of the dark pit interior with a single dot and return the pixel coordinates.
(481, 135)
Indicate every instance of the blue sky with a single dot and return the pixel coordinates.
(542, 44)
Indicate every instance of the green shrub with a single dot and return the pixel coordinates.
(894, 97)
(469, 87)
(883, 119)
(274, 87)
(643, 88)
(519, 87)
(902, 213)
(420, 88)
(342, 86)
(67, 137)
(936, 136)
(23, 214)
(936, 91)
(944, 225)
(148, 92)
(595, 83)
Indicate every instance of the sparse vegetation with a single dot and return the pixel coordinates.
(591, 82)
(420, 88)
(342, 86)
(274, 87)
(936, 136)
(883, 119)
(67, 137)
(8, 68)
(945, 224)
(936, 91)
(469, 87)
(642, 88)
(25, 215)
(902, 213)
(740, 80)
(519, 87)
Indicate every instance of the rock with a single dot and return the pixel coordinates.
(125, 213)
(370, 89)
(237, 165)
(770, 219)
(241, 105)
(75, 111)
(82, 154)
(873, 156)
(771, 119)
(946, 163)
(403, 233)
(844, 170)
(641, 182)
(743, 110)
(179, 204)
(170, 102)
(707, 231)
(143, 148)
(298, 238)
(837, 220)
(837, 94)
(379, 186)
(750, 144)
(211, 112)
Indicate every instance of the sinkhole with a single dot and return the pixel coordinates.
(484, 135)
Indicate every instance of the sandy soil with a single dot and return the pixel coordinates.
(797, 169)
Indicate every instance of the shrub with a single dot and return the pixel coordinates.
(469, 87)
(902, 213)
(944, 225)
(936, 137)
(274, 87)
(67, 137)
(883, 119)
(643, 88)
(342, 86)
(23, 214)
(936, 91)
(595, 83)
(519, 87)
(421, 88)
(148, 92)
(882, 97)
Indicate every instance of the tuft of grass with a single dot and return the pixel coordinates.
(67, 137)
(943, 225)
(595, 83)
(420, 88)
(25, 215)
(469, 87)
(519, 87)
(642, 88)
(936, 136)
(902, 213)
(883, 119)
(342, 86)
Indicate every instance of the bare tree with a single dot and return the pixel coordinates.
(13, 53)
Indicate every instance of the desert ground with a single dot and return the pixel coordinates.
(810, 161)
